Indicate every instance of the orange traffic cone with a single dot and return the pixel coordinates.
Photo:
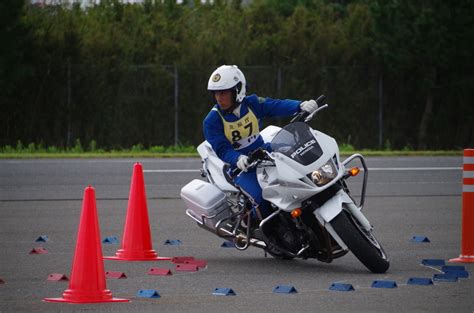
(87, 283)
(136, 241)
(467, 245)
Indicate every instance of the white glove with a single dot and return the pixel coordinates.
(243, 163)
(309, 106)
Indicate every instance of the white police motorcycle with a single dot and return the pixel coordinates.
(303, 178)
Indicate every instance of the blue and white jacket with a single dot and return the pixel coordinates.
(231, 136)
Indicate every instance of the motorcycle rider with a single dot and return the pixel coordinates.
(232, 127)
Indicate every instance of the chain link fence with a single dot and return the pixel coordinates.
(165, 105)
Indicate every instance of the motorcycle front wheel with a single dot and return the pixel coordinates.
(361, 242)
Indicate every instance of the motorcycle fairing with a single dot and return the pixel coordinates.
(331, 208)
(286, 184)
(214, 167)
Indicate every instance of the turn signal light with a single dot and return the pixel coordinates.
(296, 213)
(354, 171)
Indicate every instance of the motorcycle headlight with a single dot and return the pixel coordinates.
(324, 174)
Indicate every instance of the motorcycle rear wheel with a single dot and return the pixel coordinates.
(362, 243)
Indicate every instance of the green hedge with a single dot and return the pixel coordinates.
(108, 72)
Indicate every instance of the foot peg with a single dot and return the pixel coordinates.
(241, 242)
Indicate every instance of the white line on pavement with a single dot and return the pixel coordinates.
(370, 169)
(415, 168)
(171, 171)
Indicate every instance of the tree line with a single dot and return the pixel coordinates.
(397, 73)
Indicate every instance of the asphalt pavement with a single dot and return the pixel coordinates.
(406, 197)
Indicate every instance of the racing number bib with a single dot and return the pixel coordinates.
(242, 132)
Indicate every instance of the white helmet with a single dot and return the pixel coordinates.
(227, 77)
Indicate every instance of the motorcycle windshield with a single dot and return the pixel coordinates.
(297, 142)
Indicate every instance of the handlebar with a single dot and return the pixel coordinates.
(236, 171)
(260, 154)
(303, 116)
(254, 156)
(300, 116)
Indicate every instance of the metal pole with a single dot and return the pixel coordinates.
(380, 110)
(176, 91)
(69, 113)
(279, 82)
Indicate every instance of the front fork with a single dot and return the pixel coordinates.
(341, 201)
